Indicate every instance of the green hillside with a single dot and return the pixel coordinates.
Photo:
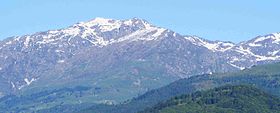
(225, 99)
(265, 77)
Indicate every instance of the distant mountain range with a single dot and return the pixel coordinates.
(109, 61)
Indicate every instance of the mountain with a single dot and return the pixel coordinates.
(265, 77)
(226, 99)
(109, 61)
(260, 50)
(29, 58)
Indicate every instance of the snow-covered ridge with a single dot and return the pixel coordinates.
(256, 50)
(248, 52)
(104, 24)
(96, 28)
(96, 32)
(274, 37)
(213, 46)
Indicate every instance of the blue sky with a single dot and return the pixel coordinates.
(226, 20)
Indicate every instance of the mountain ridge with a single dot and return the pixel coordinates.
(90, 32)
(121, 57)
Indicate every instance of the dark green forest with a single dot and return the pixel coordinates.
(225, 99)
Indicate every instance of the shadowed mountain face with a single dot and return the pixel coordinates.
(118, 59)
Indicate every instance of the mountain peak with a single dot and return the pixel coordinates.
(100, 19)
(104, 24)
(102, 31)
(274, 37)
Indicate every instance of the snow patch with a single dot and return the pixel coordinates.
(174, 34)
(141, 60)
(20, 87)
(10, 42)
(261, 39)
(159, 32)
(239, 67)
(254, 45)
(140, 35)
(227, 44)
(59, 51)
(60, 61)
(103, 24)
(247, 51)
(234, 59)
(263, 58)
(71, 31)
(274, 36)
(213, 46)
(273, 53)
(16, 38)
(129, 22)
(13, 85)
(244, 51)
(191, 39)
(27, 40)
(29, 82)
(137, 82)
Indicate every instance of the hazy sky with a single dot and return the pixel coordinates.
(234, 20)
